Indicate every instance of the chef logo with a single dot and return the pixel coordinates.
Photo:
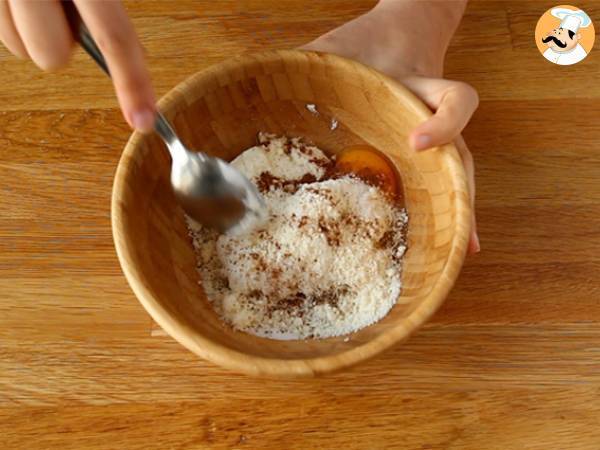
(564, 35)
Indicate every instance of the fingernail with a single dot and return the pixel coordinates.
(143, 120)
(476, 245)
(422, 142)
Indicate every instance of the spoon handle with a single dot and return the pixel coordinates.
(84, 38)
(82, 35)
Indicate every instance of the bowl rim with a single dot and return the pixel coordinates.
(274, 367)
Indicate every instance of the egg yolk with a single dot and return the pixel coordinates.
(371, 166)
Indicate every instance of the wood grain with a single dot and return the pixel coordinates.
(454, 420)
(509, 362)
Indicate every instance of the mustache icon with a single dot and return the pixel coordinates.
(555, 40)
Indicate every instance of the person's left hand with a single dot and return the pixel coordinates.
(452, 101)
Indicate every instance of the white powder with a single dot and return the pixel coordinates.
(282, 159)
(312, 108)
(328, 261)
(333, 124)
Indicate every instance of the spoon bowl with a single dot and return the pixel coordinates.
(210, 191)
(216, 195)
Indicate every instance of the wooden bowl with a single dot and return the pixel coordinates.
(220, 110)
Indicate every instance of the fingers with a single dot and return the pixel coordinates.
(9, 34)
(454, 104)
(44, 31)
(113, 32)
(467, 159)
(39, 29)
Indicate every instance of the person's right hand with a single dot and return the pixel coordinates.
(39, 30)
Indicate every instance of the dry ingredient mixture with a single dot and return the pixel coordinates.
(327, 262)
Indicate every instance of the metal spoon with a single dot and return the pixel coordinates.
(209, 190)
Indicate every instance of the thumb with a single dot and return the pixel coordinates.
(454, 102)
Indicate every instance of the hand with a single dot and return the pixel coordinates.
(371, 39)
(39, 30)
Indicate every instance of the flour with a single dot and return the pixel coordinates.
(327, 262)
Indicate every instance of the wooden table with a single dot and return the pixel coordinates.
(512, 360)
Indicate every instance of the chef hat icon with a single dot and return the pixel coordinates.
(571, 19)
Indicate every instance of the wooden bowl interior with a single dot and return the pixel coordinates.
(221, 111)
